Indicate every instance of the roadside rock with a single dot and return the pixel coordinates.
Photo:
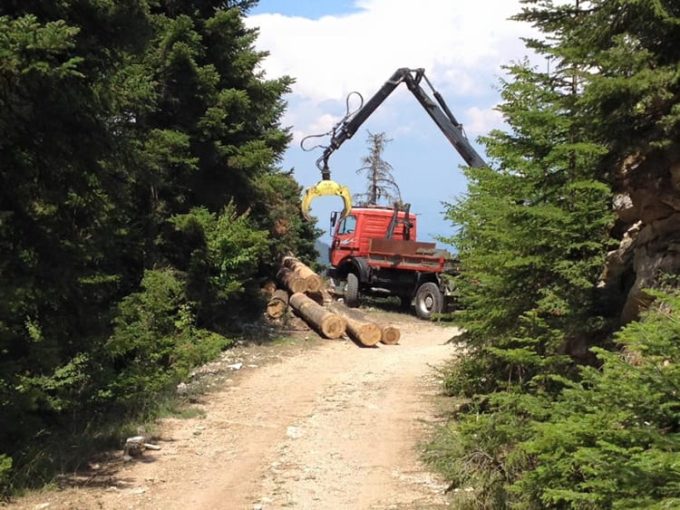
(647, 205)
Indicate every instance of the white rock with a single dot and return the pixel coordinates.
(293, 432)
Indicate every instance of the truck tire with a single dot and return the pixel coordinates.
(429, 300)
(352, 290)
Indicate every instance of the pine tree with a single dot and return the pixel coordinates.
(612, 439)
(68, 83)
(533, 233)
(537, 432)
(380, 183)
(136, 142)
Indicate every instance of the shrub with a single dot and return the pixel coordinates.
(220, 253)
(155, 341)
(613, 439)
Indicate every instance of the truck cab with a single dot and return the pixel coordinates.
(353, 234)
(374, 251)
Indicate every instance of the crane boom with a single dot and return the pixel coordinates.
(437, 109)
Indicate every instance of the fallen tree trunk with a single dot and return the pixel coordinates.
(389, 335)
(313, 280)
(363, 331)
(278, 304)
(292, 281)
(323, 297)
(328, 323)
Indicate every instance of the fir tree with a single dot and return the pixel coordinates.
(537, 431)
(380, 183)
(135, 138)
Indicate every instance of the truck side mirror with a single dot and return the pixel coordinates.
(334, 218)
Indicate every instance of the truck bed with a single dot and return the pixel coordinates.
(407, 255)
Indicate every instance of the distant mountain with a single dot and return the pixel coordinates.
(322, 248)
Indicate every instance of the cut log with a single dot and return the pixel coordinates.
(314, 281)
(290, 280)
(278, 304)
(326, 322)
(268, 288)
(390, 335)
(363, 331)
(323, 297)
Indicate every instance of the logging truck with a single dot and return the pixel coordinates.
(374, 252)
(374, 249)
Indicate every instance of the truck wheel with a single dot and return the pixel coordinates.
(429, 300)
(352, 291)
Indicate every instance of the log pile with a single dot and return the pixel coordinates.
(303, 291)
(326, 322)
(313, 281)
(278, 304)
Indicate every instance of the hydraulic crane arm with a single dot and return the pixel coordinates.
(436, 109)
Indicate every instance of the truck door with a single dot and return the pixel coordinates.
(345, 240)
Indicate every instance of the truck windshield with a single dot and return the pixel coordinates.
(348, 225)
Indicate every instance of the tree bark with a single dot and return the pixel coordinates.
(278, 304)
(313, 280)
(293, 282)
(328, 323)
(389, 335)
(363, 331)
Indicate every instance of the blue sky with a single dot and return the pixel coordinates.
(333, 47)
(312, 9)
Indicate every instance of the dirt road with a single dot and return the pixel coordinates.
(335, 426)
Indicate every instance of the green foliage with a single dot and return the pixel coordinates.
(532, 239)
(537, 431)
(155, 341)
(611, 440)
(221, 253)
(5, 471)
(134, 138)
(276, 210)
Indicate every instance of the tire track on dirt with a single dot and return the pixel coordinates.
(333, 427)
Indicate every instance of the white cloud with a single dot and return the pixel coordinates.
(481, 121)
(460, 44)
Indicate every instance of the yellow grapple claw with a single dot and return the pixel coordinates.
(327, 188)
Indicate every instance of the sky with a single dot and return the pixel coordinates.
(334, 47)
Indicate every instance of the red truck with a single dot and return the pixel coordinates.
(374, 248)
(374, 251)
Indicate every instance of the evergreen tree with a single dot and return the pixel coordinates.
(532, 239)
(65, 206)
(140, 206)
(380, 183)
(536, 431)
(612, 438)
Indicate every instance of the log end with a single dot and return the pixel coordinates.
(276, 309)
(368, 335)
(314, 283)
(297, 285)
(333, 326)
(390, 335)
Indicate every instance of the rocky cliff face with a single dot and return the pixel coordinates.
(647, 204)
